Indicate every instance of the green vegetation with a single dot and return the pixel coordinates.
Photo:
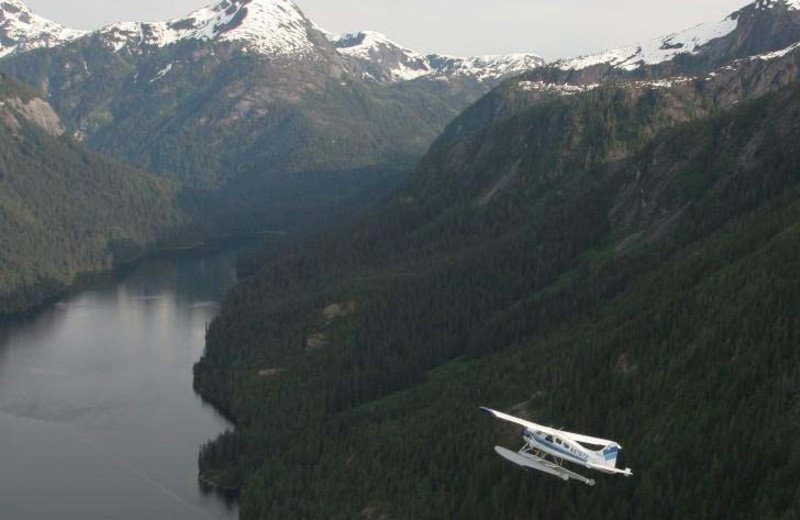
(263, 129)
(64, 210)
(620, 263)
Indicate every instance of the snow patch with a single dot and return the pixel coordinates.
(404, 64)
(163, 72)
(763, 5)
(23, 30)
(777, 54)
(565, 89)
(655, 51)
(490, 67)
(269, 27)
(554, 88)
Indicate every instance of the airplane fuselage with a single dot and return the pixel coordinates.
(558, 447)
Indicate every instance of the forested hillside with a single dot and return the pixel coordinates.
(616, 261)
(65, 210)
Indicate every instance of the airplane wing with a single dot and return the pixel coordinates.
(511, 418)
(522, 422)
(544, 429)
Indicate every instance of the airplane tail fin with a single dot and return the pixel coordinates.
(610, 454)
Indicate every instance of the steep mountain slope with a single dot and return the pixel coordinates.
(614, 257)
(656, 256)
(254, 97)
(64, 210)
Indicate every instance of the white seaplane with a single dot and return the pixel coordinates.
(546, 449)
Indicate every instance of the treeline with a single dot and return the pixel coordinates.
(629, 298)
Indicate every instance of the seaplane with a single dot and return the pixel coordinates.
(546, 449)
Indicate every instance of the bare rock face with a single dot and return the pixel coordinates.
(40, 113)
(14, 111)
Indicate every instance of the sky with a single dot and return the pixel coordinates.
(550, 28)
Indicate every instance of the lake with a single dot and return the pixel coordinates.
(98, 419)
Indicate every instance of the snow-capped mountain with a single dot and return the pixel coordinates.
(381, 57)
(482, 68)
(22, 30)
(279, 28)
(657, 50)
(243, 91)
(247, 90)
(761, 27)
(385, 59)
(268, 27)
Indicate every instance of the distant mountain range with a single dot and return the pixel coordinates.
(762, 30)
(269, 28)
(252, 97)
(248, 96)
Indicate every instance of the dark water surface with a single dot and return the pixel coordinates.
(98, 420)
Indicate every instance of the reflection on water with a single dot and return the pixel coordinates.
(98, 419)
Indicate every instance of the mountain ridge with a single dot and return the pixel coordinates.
(279, 28)
(270, 28)
(757, 28)
(215, 100)
(22, 30)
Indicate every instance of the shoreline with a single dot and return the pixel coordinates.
(86, 278)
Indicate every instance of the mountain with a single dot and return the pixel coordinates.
(266, 27)
(65, 210)
(614, 256)
(386, 61)
(22, 30)
(761, 28)
(251, 97)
